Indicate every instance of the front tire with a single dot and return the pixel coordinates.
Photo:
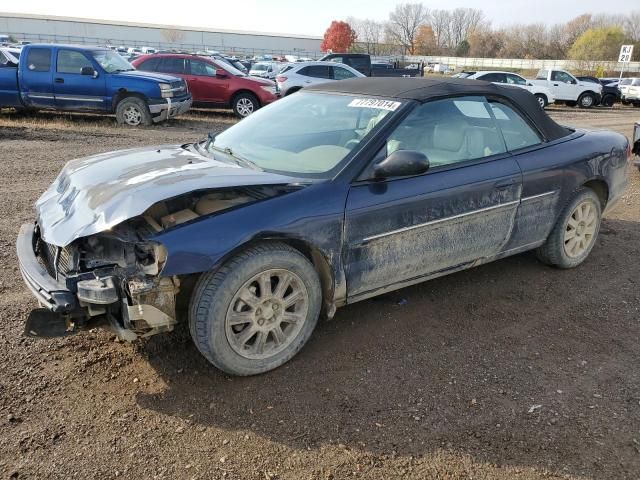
(244, 104)
(587, 100)
(608, 100)
(133, 111)
(257, 311)
(575, 232)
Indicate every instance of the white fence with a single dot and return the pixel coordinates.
(524, 64)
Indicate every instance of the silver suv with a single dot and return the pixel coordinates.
(295, 76)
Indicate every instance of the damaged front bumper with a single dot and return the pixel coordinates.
(51, 293)
(135, 306)
(169, 108)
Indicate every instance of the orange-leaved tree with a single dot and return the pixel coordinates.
(338, 38)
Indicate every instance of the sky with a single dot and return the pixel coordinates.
(303, 16)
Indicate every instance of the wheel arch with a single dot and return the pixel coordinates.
(600, 188)
(321, 263)
(240, 92)
(123, 93)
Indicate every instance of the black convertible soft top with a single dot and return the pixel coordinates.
(423, 89)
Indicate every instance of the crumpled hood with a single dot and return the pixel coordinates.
(96, 193)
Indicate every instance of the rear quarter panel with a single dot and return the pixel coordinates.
(563, 167)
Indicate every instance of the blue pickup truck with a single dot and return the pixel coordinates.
(90, 79)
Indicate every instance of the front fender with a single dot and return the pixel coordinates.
(313, 215)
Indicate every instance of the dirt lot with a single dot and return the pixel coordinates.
(512, 370)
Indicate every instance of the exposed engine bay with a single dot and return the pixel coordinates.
(117, 272)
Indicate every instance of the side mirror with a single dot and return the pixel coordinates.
(221, 73)
(573, 82)
(529, 84)
(88, 71)
(401, 163)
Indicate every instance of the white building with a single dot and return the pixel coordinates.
(40, 28)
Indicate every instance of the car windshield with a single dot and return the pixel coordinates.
(304, 135)
(111, 61)
(229, 68)
(260, 67)
(636, 82)
(625, 81)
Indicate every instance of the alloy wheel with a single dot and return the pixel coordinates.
(132, 115)
(580, 230)
(245, 107)
(266, 314)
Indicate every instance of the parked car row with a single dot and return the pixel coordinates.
(560, 86)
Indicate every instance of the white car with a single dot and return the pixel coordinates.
(543, 94)
(295, 76)
(265, 70)
(568, 89)
(630, 91)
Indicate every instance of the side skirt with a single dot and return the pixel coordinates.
(441, 273)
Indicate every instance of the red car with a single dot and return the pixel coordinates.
(213, 83)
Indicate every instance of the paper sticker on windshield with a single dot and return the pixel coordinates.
(373, 103)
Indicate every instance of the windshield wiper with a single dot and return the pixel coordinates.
(238, 159)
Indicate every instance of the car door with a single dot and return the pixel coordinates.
(72, 89)
(563, 86)
(315, 74)
(402, 230)
(36, 82)
(206, 86)
(542, 177)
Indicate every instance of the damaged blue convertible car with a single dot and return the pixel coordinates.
(333, 195)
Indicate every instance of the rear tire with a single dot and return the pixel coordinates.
(244, 104)
(241, 317)
(587, 100)
(133, 111)
(575, 232)
(542, 100)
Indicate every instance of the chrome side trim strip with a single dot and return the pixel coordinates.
(80, 99)
(39, 95)
(540, 195)
(440, 220)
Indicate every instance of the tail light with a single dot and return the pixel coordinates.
(281, 79)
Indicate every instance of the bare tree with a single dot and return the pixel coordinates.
(463, 22)
(440, 20)
(632, 26)
(404, 22)
(370, 34)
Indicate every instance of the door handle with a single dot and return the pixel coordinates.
(504, 184)
(555, 84)
(59, 80)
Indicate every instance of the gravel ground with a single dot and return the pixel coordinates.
(512, 370)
